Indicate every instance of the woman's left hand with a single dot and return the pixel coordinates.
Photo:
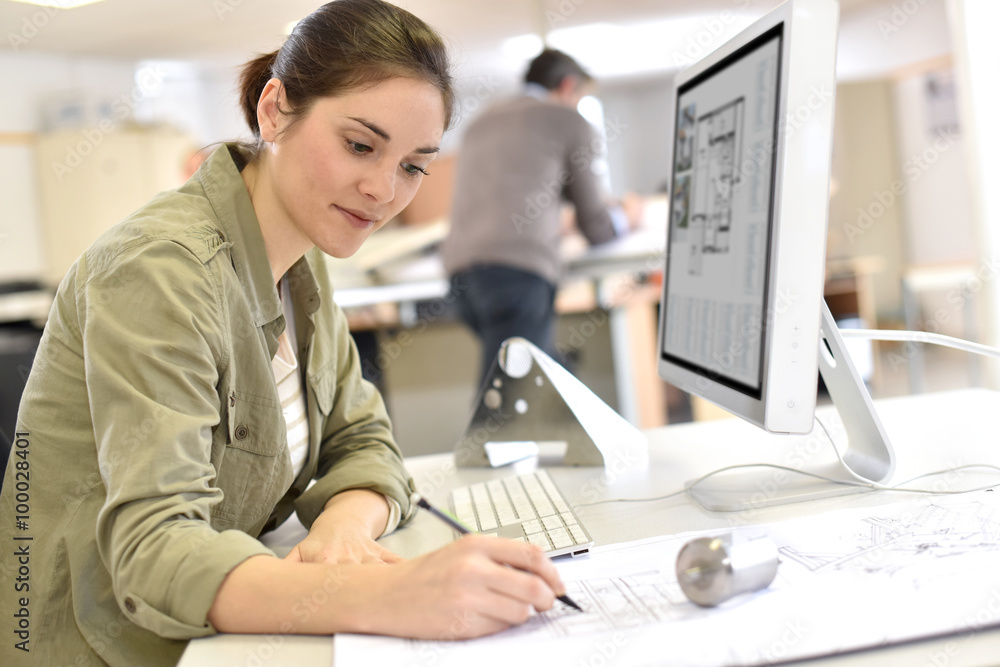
(345, 546)
(345, 531)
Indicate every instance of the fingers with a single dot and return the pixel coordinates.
(522, 587)
(473, 587)
(515, 570)
(387, 556)
(380, 556)
(506, 610)
(522, 556)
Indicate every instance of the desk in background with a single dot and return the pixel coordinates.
(930, 432)
(381, 286)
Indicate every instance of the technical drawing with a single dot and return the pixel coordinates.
(680, 214)
(718, 140)
(685, 137)
(611, 603)
(894, 573)
(905, 546)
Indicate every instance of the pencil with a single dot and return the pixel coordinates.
(454, 523)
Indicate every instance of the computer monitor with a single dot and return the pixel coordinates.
(743, 321)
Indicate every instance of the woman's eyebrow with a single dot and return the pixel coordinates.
(385, 135)
(373, 127)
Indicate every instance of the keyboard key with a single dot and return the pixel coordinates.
(560, 538)
(540, 539)
(532, 527)
(523, 507)
(552, 522)
(484, 508)
(506, 516)
(553, 493)
(462, 503)
(579, 537)
(518, 498)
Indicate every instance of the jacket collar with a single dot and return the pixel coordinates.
(227, 193)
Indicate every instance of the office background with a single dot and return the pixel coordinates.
(106, 102)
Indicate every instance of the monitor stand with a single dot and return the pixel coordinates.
(530, 405)
(868, 456)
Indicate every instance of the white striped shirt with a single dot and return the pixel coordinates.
(293, 400)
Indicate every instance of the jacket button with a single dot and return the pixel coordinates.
(130, 605)
(242, 432)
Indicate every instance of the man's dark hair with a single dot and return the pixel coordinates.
(550, 67)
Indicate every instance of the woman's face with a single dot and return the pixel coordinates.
(354, 161)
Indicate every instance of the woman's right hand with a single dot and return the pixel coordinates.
(472, 587)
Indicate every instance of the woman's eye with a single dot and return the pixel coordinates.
(358, 147)
(413, 169)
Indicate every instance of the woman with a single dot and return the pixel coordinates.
(195, 376)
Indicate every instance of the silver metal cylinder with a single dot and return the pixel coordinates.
(711, 570)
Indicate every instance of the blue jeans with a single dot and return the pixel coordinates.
(498, 302)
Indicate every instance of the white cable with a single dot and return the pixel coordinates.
(859, 481)
(875, 486)
(872, 486)
(922, 337)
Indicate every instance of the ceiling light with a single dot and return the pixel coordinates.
(59, 4)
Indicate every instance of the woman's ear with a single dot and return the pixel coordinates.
(269, 116)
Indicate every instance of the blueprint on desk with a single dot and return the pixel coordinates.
(848, 579)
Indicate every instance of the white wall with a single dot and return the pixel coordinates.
(937, 204)
(879, 39)
(874, 43)
(34, 84)
(47, 92)
(636, 117)
(201, 99)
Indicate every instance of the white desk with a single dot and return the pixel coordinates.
(930, 432)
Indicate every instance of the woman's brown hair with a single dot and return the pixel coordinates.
(343, 46)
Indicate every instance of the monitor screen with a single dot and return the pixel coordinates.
(720, 216)
(752, 127)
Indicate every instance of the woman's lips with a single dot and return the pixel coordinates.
(357, 219)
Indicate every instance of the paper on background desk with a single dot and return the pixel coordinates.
(848, 579)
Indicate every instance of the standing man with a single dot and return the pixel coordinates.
(518, 162)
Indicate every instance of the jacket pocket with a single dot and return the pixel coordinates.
(254, 469)
(256, 424)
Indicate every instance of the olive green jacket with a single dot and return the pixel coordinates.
(151, 448)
